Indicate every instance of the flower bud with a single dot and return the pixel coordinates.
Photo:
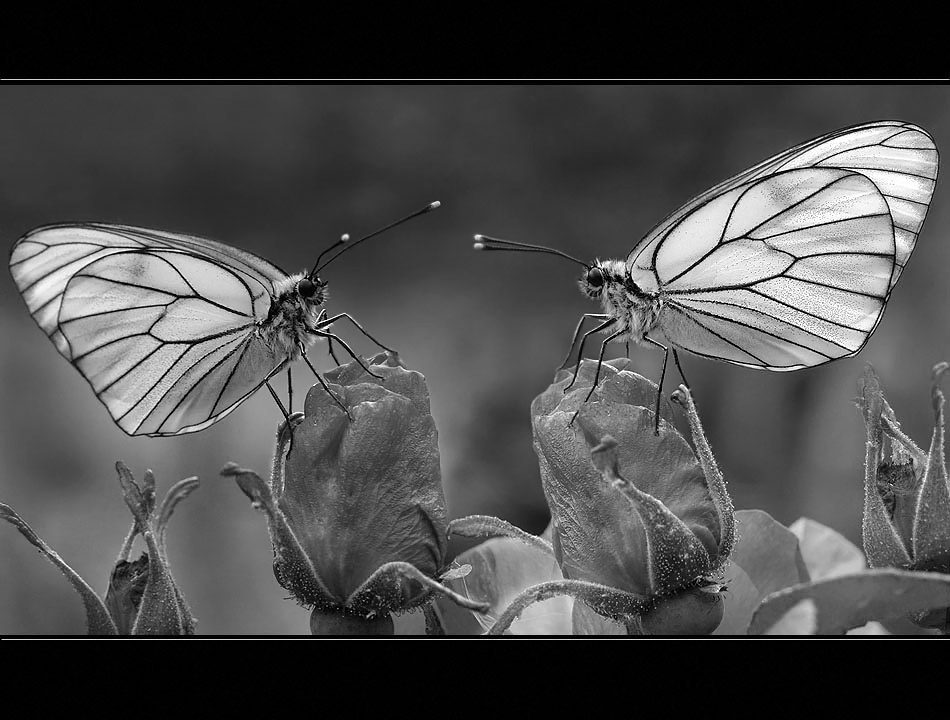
(633, 509)
(355, 502)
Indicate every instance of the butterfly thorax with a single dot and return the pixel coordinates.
(293, 315)
(633, 310)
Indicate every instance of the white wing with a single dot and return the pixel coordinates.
(899, 158)
(162, 326)
(790, 264)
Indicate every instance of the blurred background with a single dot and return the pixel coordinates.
(283, 171)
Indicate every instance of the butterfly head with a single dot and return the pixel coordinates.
(599, 277)
(312, 289)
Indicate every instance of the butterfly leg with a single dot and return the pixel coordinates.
(320, 318)
(283, 410)
(290, 390)
(274, 395)
(600, 362)
(577, 332)
(324, 384)
(332, 336)
(659, 389)
(580, 352)
(676, 359)
(330, 321)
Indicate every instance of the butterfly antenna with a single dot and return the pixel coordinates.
(317, 267)
(483, 242)
(344, 238)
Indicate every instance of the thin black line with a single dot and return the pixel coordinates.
(910, 200)
(843, 252)
(108, 312)
(852, 149)
(793, 307)
(753, 366)
(896, 172)
(194, 385)
(830, 287)
(674, 306)
(175, 297)
(137, 364)
(760, 330)
(163, 376)
(205, 247)
(191, 341)
(692, 291)
(789, 323)
(823, 224)
(195, 291)
(749, 233)
(45, 303)
(117, 231)
(202, 338)
(204, 258)
(230, 377)
(788, 305)
(126, 284)
(43, 248)
(898, 134)
(75, 359)
(722, 235)
(58, 268)
(243, 282)
(818, 192)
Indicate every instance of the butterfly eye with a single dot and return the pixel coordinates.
(306, 288)
(595, 277)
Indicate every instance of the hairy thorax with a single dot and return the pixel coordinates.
(291, 320)
(635, 311)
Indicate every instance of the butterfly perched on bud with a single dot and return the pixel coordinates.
(171, 331)
(784, 266)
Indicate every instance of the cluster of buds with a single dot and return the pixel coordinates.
(906, 492)
(143, 598)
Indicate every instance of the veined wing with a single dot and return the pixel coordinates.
(166, 338)
(44, 260)
(785, 272)
(899, 158)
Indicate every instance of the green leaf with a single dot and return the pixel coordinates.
(849, 601)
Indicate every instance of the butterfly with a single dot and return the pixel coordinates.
(173, 332)
(784, 266)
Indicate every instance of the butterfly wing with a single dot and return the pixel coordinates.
(899, 158)
(162, 326)
(790, 264)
